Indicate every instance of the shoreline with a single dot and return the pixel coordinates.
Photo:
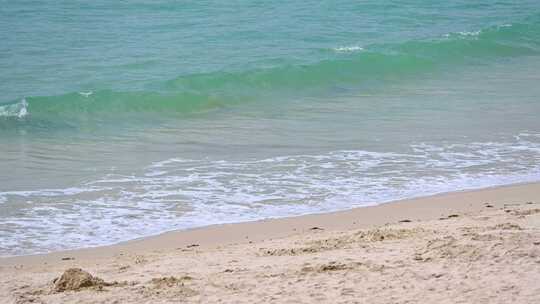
(211, 236)
(480, 246)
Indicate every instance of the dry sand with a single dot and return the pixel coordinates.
(466, 247)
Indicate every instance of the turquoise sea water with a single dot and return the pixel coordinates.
(126, 119)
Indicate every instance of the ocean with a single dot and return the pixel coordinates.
(125, 119)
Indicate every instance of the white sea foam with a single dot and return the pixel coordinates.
(51, 192)
(86, 94)
(19, 109)
(23, 111)
(183, 193)
(348, 49)
(471, 33)
(464, 34)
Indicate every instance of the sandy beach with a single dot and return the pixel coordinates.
(270, 152)
(478, 246)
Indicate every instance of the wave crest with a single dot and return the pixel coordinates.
(375, 64)
(19, 109)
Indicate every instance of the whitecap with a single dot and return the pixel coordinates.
(86, 94)
(348, 49)
(463, 34)
(473, 33)
(19, 109)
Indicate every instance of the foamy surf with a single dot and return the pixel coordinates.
(19, 109)
(187, 193)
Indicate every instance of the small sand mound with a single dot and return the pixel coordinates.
(170, 286)
(338, 266)
(383, 234)
(75, 279)
(289, 251)
(450, 248)
(169, 281)
(332, 266)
